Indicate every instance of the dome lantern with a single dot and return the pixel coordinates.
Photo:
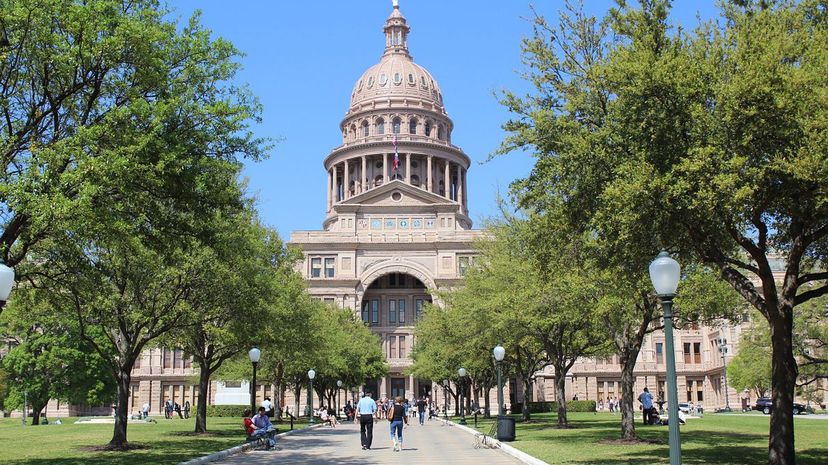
(396, 32)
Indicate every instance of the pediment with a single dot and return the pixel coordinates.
(398, 194)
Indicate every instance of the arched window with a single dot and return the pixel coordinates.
(353, 131)
(378, 180)
(380, 126)
(440, 132)
(395, 125)
(365, 130)
(412, 126)
(415, 180)
(428, 129)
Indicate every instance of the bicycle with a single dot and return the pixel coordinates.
(482, 440)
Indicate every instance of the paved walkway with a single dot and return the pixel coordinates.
(423, 445)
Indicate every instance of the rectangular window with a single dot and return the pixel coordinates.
(392, 280)
(232, 384)
(329, 300)
(699, 393)
(375, 311)
(316, 267)
(365, 307)
(418, 308)
(167, 358)
(697, 352)
(689, 391)
(687, 357)
(463, 265)
(401, 307)
(392, 347)
(402, 346)
(659, 352)
(178, 361)
(188, 362)
(330, 263)
(392, 311)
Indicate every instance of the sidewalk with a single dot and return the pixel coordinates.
(423, 445)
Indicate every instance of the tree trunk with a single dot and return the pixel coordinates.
(37, 407)
(201, 407)
(486, 404)
(297, 391)
(119, 435)
(527, 394)
(628, 358)
(560, 382)
(783, 382)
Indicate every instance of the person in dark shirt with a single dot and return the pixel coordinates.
(397, 416)
(421, 406)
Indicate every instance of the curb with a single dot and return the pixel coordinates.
(240, 448)
(506, 448)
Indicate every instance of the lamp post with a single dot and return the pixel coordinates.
(311, 375)
(254, 355)
(6, 282)
(338, 390)
(723, 351)
(462, 373)
(499, 353)
(664, 274)
(445, 400)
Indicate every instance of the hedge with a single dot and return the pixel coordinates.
(542, 407)
(226, 410)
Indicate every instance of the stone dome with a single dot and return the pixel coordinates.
(396, 76)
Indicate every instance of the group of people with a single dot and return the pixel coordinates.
(171, 407)
(369, 412)
(259, 426)
(650, 413)
(612, 404)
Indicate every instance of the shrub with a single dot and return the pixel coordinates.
(543, 407)
(226, 410)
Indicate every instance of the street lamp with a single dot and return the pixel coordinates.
(338, 390)
(499, 353)
(311, 375)
(462, 373)
(665, 273)
(723, 351)
(254, 355)
(6, 282)
(445, 399)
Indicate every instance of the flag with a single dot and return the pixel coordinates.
(396, 155)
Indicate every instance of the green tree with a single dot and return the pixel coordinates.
(711, 144)
(751, 367)
(47, 359)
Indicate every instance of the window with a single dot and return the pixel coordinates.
(329, 266)
(397, 79)
(401, 307)
(392, 347)
(380, 126)
(188, 362)
(423, 82)
(365, 317)
(375, 311)
(392, 311)
(659, 352)
(418, 308)
(411, 79)
(412, 126)
(463, 263)
(167, 358)
(232, 384)
(365, 130)
(402, 346)
(697, 352)
(395, 126)
(428, 129)
(687, 356)
(440, 132)
(178, 361)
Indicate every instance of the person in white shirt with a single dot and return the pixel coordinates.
(268, 406)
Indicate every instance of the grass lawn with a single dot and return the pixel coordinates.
(168, 442)
(714, 439)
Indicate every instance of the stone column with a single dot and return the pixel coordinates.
(346, 181)
(465, 189)
(385, 168)
(460, 186)
(411, 386)
(408, 168)
(447, 180)
(330, 188)
(363, 180)
(428, 175)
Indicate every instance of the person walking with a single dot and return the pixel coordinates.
(646, 400)
(186, 409)
(146, 410)
(268, 406)
(366, 408)
(396, 414)
(421, 406)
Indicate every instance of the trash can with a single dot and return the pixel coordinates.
(505, 428)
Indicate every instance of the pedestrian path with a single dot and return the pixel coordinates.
(431, 443)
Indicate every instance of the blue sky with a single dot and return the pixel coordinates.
(302, 60)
